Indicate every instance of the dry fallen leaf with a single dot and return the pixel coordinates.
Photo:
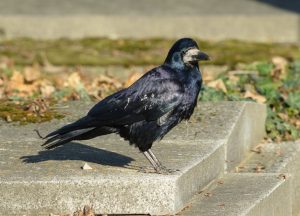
(239, 168)
(109, 80)
(31, 74)
(283, 116)
(132, 78)
(208, 194)
(233, 79)
(259, 167)
(73, 80)
(59, 80)
(280, 70)
(220, 182)
(255, 96)
(207, 78)
(17, 78)
(1, 93)
(8, 118)
(103, 85)
(16, 83)
(218, 84)
(211, 72)
(87, 211)
(257, 149)
(46, 88)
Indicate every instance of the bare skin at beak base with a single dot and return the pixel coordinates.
(194, 54)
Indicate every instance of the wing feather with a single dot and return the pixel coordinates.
(151, 97)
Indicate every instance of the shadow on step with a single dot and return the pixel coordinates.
(77, 151)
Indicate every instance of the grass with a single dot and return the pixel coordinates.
(126, 52)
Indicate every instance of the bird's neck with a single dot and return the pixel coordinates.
(188, 74)
(185, 73)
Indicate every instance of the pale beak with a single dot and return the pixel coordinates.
(194, 55)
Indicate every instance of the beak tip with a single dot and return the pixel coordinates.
(204, 56)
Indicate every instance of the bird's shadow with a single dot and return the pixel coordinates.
(77, 151)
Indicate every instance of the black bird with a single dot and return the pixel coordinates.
(148, 109)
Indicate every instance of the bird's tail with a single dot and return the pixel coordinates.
(82, 123)
(82, 129)
(67, 133)
(60, 139)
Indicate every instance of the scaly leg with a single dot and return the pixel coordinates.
(152, 161)
(159, 168)
(154, 157)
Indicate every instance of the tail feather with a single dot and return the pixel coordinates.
(84, 128)
(51, 139)
(81, 134)
(82, 123)
(58, 143)
(58, 139)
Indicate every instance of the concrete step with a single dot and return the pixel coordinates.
(243, 194)
(277, 158)
(213, 20)
(267, 183)
(34, 181)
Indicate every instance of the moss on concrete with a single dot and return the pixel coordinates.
(12, 112)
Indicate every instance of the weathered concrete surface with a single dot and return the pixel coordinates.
(278, 158)
(34, 181)
(243, 194)
(247, 132)
(213, 20)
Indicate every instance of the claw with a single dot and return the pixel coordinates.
(166, 171)
(158, 167)
(147, 170)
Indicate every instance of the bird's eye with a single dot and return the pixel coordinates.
(186, 50)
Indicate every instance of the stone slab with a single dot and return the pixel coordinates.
(243, 194)
(113, 186)
(246, 133)
(213, 20)
(35, 181)
(278, 158)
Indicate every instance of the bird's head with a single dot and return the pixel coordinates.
(185, 53)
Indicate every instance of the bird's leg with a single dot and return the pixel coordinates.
(159, 168)
(154, 157)
(152, 161)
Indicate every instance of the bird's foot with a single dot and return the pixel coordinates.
(146, 170)
(166, 171)
(160, 170)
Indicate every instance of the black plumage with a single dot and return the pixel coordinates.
(148, 109)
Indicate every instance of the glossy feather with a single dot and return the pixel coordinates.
(147, 110)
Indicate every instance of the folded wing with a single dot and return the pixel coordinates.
(150, 98)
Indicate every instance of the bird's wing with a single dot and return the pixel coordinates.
(150, 98)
